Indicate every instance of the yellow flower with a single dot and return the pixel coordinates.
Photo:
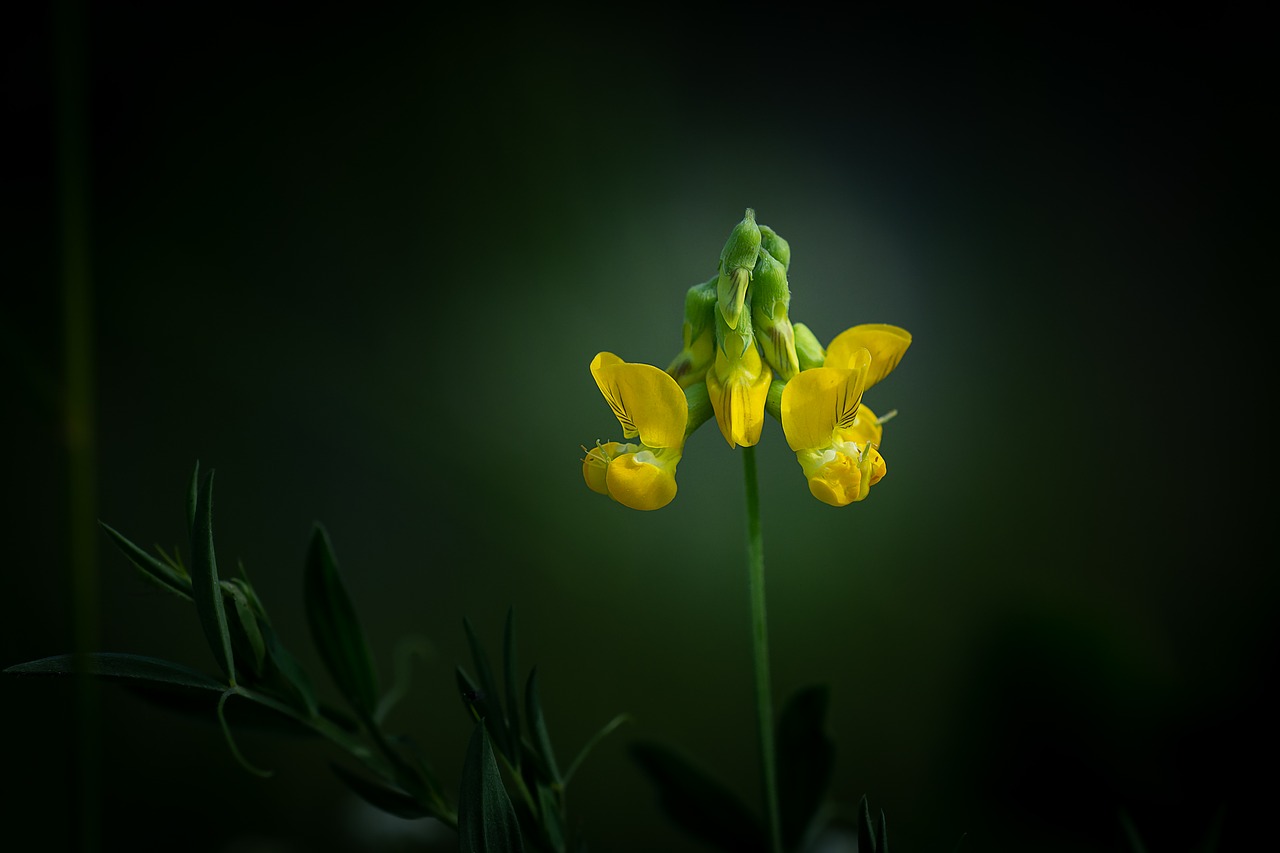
(738, 383)
(651, 406)
(835, 438)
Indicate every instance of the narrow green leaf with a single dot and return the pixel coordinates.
(551, 823)
(489, 687)
(486, 821)
(806, 757)
(151, 568)
(193, 498)
(538, 729)
(290, 672)
(883, 833)
(122, 667)
(698, 803)
(380, 795)
(205, 589)
(247, 623)
(512, 696)
(335, 629)
(866, 835)
(591, 744)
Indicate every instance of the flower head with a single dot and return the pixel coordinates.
(836, 439)
(649, 405)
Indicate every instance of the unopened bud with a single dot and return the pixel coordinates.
(809, 352)
(737, 259)
(770, 298)
(776, 246)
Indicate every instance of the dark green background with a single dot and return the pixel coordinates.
(359, 261)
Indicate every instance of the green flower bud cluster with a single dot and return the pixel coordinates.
(747, 303)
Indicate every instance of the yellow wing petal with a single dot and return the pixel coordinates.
(646, 401)
(885, 343)
(819, 401)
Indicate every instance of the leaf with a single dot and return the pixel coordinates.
(124, 667)
(205, 589)
(290, 672)
(538, 729)
(591, 744)
(883, 832)
(806, 757)
(699, 803)
(151, 568)
(513, 698)
(486, 820)
(489, 689)
(335, 629)
(552, 827)
(866, 835)
(249, 633)
(193, 497)
(380, 795)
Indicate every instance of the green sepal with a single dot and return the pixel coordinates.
(806, 757)
(700, 408)
(699, 309)
(538, 729)
(486, 820)
(380, 795)
(493, 709)
(698, 803)
(809, 351)
(775, 245)
(155, 570)
(335, 628)
(206, 591)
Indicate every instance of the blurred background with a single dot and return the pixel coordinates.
(358, 261)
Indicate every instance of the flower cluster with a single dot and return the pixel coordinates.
(743, 357)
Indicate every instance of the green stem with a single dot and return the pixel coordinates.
(760, 649)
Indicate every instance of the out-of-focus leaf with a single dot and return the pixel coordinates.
(486, 820)
(193, 497)
(552, 828)
(205, 588)
(512, 695)
(124, 667)
(883, 834)
(336, 630)
(866, 835)
(538, 729)
(291, 673)
(381, 795)
(154, 570)
(806, 757)
(698, 803)
(494, 715)
(591, 744)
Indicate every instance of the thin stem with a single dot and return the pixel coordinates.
(760, 649)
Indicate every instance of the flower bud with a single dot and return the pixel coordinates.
(776, 246)
(690, 366)
(737, 259)
(770, 298)
(808, 351)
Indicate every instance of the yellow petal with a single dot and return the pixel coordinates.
(647, 402)
(818, 401)
(639, 484)
(885, 343)
(596, 463)
(864, 428)
(738, 391)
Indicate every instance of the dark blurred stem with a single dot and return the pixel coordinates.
(760, 649)
(69, 47)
